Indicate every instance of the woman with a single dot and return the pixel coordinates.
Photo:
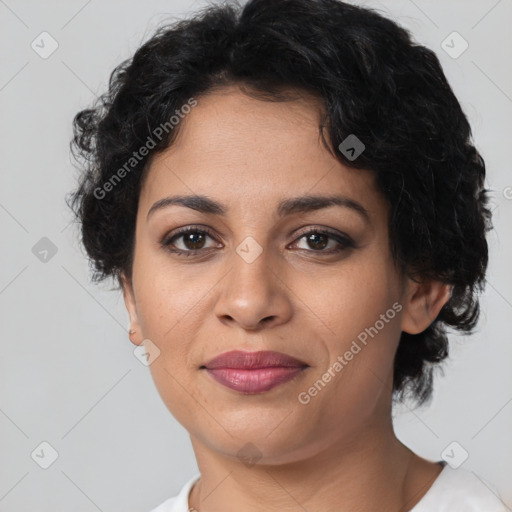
(289, 198)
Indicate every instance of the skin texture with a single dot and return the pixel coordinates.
(338, 452)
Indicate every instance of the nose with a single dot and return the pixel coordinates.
(253, 295)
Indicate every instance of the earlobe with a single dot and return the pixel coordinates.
(422, 304)
(134, 332)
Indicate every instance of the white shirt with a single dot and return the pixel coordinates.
(454, 490)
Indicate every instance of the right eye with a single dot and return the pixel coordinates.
(191, 239)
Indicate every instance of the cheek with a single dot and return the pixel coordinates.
(353, 297)
(167, 309)
(362, 307)
(167, 294)
(362, 311)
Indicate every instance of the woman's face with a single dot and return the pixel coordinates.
(257, 281)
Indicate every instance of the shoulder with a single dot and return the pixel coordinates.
(178, 503)
(458, 490)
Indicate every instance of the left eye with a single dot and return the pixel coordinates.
(319, 240)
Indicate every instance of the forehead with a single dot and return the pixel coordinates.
(236, 147)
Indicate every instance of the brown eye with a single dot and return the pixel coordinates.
(317, 241)
(193, 240)
(187, 241)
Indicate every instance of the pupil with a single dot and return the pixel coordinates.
(315, 245)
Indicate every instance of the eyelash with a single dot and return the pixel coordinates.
(345, 241)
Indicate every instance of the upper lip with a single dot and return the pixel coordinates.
(253, 360)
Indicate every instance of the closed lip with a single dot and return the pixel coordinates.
(253, 360)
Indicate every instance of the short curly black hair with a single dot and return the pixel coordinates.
(374, 81)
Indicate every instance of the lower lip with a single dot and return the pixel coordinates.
(254, 381)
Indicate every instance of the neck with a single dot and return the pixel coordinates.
(372, 470)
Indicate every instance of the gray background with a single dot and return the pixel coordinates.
(68, 374)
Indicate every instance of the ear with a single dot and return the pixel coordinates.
(129, 301)
(422, 304)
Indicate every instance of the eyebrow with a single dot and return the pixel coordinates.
(302, 204)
